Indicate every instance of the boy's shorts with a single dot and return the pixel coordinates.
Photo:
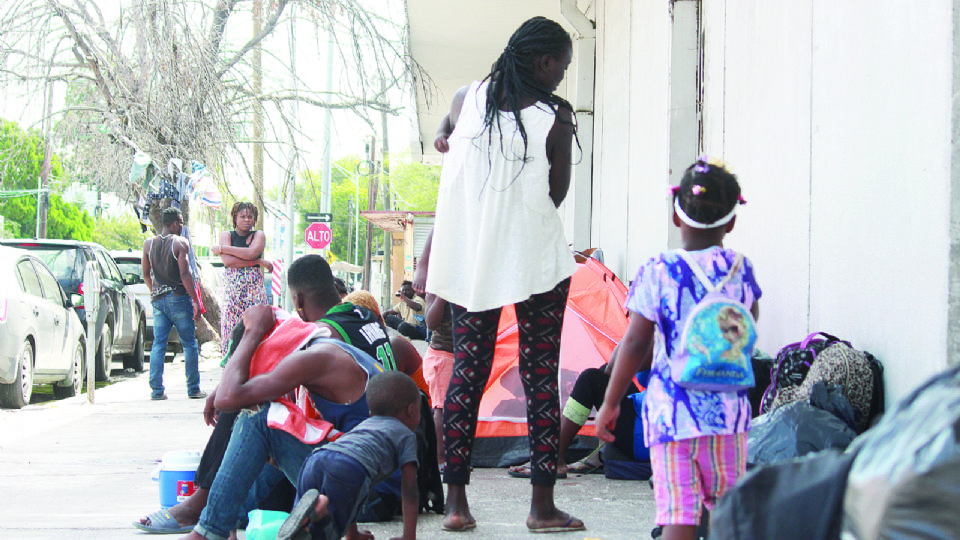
(690, 473)
(437, 369)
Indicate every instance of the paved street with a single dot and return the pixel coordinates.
(71, 470)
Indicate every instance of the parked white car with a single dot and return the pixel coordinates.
(41, 337)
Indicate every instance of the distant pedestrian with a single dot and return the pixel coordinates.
(697, 438)
(497, 241)
(337, 478)
(173, 293)
(407, 316)
(241, 251)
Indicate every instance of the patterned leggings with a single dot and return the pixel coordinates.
(540, 319)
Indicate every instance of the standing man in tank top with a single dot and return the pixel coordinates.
(173, 292)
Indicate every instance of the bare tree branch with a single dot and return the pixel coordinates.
(170, 78)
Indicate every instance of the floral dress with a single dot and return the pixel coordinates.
(242, 288)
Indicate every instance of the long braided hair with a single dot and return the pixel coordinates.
(512, 79)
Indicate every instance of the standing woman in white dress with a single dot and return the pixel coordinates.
(498, 241)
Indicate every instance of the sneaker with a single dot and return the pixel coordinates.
(161, 397)
(199, 394)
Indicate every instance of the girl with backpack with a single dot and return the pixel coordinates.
(697, 437)
(498, 241)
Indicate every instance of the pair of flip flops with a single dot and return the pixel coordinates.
(523, 471)
(566, 527)
(584, 467)
(470, 525)
(161, 522)
(293, 528)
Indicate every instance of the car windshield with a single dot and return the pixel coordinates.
(62, 260)
(130, 267)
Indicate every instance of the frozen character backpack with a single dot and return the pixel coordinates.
(717, 339)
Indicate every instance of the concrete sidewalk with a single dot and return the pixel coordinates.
(71, 470)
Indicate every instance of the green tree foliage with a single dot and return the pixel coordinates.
(414, 185)
(21, 157)
(119, 233)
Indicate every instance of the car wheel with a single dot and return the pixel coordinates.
(73, 385)
(135, 360)
(17, 394)
(105, 354)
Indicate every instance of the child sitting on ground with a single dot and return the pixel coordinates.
(697, 438)
(336, 477)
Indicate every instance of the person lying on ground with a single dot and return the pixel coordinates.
(315, 299)
(336, 478)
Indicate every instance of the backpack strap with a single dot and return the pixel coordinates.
(702, 276)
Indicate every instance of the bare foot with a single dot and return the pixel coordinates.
(458, 522)
(456, 512)
(192, 536)
(182, 518)
(523, 471)
(320, 510)
(555, 522)
(187, 512)
(355, 534)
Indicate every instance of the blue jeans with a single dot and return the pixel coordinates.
(174, 310)
(251, 443)
(344, 481)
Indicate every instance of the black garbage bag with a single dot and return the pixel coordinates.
(905, 481)
(799, 499)
(794, 430)
(832, 399)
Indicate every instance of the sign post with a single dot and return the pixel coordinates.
(91, 304)
(318, 235)
(318, 217)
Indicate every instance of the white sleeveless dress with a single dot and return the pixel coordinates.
(497, 238)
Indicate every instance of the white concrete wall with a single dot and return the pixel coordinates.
(757, 116)
(631, 153)
(837, 118)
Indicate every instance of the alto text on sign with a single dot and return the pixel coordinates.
(318, 235)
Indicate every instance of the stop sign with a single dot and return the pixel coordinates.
(318, 235)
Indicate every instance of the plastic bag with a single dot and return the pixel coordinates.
(905, 481)
(834, 401)
(264, 524)
(800, 499)
(795, 430)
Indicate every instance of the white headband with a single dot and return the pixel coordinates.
(696, 224)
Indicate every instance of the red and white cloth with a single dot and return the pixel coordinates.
(297, 417)
(275, 282)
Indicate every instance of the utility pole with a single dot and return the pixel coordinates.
(388, 286)
(45, 168)
(326, 194)
(258, 110)
(350, 205)
(292, 172)
(371, 205)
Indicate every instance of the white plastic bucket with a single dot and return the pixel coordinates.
(177, 471)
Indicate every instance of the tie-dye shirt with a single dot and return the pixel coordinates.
(664, 291)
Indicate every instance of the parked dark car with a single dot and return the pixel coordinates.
(121, 322)
(132, 271)
(41, 337)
